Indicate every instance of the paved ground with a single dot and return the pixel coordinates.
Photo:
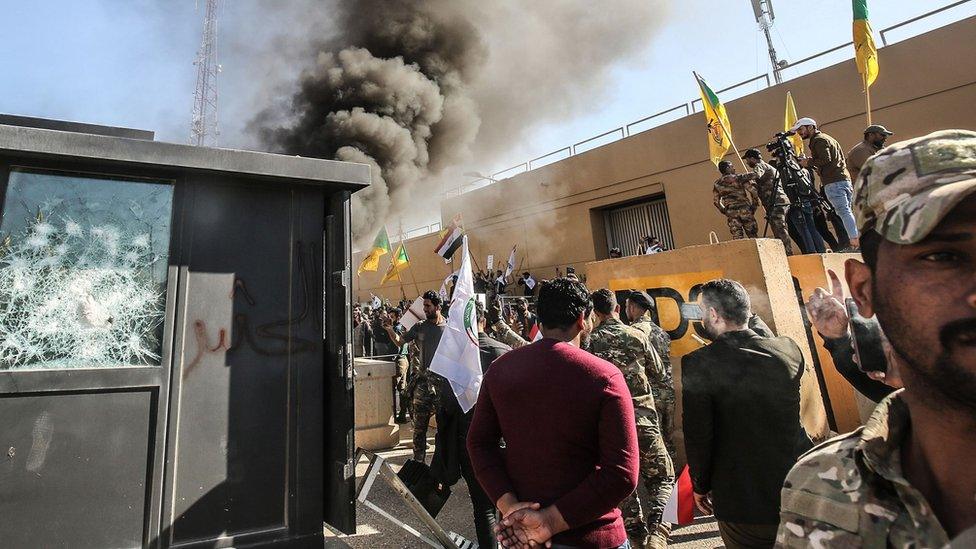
(376, 532)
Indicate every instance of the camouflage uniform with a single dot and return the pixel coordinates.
(508, 336)
(731, 195)
(422, 388)
(661, 378)
(851, 492)
(627, 348)
(775, 202)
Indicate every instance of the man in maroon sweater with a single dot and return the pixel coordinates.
(567, 420)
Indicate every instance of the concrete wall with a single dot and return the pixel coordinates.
(923, 86)
(673, 277)
(553, 213)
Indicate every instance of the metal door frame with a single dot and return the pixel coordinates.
(154, 379)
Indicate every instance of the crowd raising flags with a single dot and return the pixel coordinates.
(381, 247)
(865, 50)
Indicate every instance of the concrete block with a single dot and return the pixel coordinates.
(675, 277)
(810, 273)
(375, 427)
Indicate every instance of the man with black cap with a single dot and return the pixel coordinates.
(737, 200)
(772, 196)
(638, 308)
(874, 140)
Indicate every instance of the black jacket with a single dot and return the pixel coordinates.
(452, 423)
(741, 406)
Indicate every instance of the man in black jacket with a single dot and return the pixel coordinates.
(451, 460)
(741, 405)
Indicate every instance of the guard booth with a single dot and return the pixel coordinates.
(167, 375)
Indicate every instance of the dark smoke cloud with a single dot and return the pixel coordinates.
(417, 88)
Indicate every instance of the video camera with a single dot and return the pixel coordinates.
(796, 180)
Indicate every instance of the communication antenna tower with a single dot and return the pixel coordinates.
(203, 122)
(765, 17)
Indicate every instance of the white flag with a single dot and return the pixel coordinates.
(457, 357)
(491, 262)
(511, 263)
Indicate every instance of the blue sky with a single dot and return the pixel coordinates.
(129, 62)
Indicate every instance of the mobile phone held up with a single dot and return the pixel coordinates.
(867, 338)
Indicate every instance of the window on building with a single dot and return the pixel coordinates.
(628, 225)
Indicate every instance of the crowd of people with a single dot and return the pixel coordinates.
(571, 442)
(797, 210)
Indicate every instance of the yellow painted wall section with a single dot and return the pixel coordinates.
(673, 277)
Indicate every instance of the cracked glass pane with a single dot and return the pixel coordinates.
(83, 263)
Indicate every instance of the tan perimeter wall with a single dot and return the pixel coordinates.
(553, 213)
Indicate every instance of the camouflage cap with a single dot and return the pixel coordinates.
(906, 189)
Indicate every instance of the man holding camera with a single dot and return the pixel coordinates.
(772, 196)
(903, 480)
(828, 159)
(737, 200)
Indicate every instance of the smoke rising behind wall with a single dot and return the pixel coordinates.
(425, 89)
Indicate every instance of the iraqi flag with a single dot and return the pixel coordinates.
(450, 239)
(535, 334)
(681, 505)
(457, 357)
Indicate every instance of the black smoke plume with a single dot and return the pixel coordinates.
(415, 87)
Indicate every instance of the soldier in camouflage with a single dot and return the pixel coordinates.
(424, 337)
(771, 194)
(902, 480)
(737, 200)
(627, 348)
(638, 308)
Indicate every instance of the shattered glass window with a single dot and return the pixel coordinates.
(83, 263)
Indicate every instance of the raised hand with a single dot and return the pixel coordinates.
(827, 311)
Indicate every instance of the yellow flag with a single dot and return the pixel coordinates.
(398, 262)
(719, 127)
(381, 247)
(789, 121)
(864, 48)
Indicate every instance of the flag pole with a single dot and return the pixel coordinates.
(734, 148)
(867, 96)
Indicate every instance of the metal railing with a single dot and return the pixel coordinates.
(690, 108)
(884, 40)
(732, 87)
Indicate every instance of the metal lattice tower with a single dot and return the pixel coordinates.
(203, 122)
(765, 17)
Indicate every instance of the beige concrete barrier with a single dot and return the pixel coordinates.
(675, 277)
(375, 428)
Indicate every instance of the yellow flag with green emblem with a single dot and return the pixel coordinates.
(398, 262)
(865, 50)
(381, 247)
(719, 128)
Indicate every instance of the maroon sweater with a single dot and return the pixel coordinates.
(570, 439)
